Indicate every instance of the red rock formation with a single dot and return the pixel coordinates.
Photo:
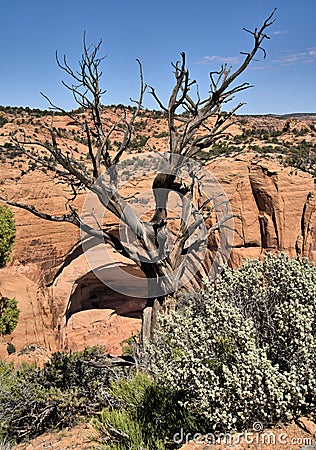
(63, 304)
(277, 206)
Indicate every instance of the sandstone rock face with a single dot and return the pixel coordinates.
(276, 206)
(63, 303)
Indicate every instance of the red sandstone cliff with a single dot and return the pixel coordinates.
(63, 304)
(49, 275)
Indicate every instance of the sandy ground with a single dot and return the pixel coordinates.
(295, 436)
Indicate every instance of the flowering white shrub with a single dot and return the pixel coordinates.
(243, 350)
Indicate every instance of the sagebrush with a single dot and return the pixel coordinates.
(243, 350)
(32, 399)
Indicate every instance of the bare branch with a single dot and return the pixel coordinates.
(161, 105)
(131, 123)
(62, 110)
(184, 140)
(72, 217)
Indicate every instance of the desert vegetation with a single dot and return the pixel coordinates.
(66, 388)
(240, 351)
(9, 315)
(7, 234)
(9, 312)
(286, 143)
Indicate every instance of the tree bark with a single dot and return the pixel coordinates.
(150, 319)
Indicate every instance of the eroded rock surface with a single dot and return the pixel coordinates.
(64, 305)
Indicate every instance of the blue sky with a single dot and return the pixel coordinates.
(209, 31)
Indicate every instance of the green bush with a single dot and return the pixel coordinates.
(3, 120)
(7, 234)
(9, 315)
(33, 400)
(138, 142)
(244, 349)
(11, 348)
(143, 415)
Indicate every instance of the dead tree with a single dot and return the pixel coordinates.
(194, 124)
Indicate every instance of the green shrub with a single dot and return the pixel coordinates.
(244, 349)
(3, 120)
(143, 415)
(33, 400)
(7, 234)
(11, 348)
(129, 345)
(138, 142)
(9, 315)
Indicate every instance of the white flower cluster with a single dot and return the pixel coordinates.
(243, 350)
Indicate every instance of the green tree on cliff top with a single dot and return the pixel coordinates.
(7, 234)
(9, 312)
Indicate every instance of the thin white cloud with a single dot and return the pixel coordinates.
(262, 68)
(220, 59)
(278, 32)
(305, 57)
